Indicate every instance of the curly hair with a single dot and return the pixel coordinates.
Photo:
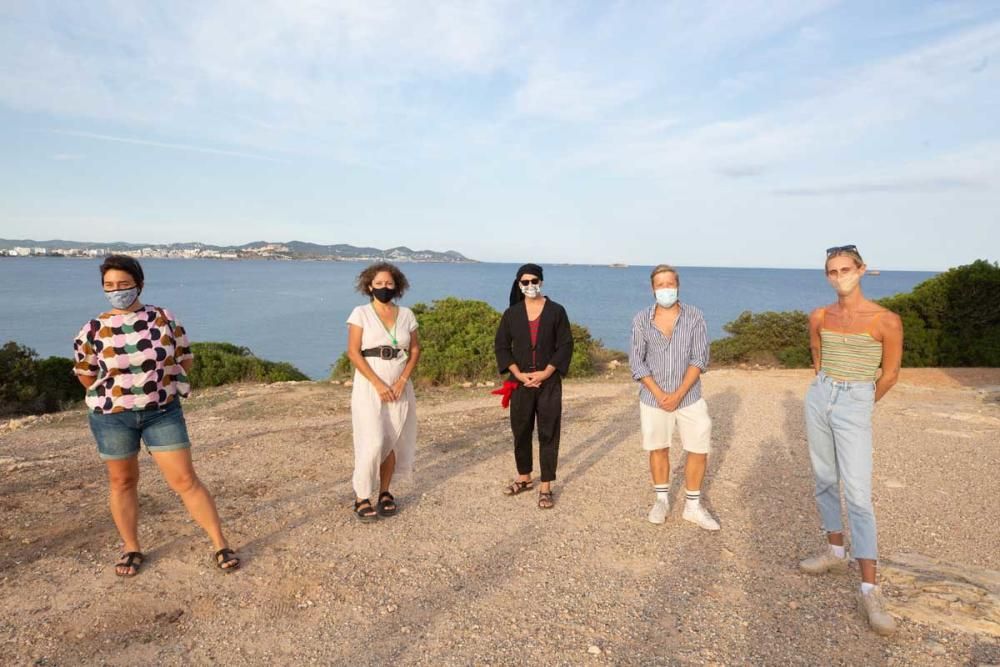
(365, 278)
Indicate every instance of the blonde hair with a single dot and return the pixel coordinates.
(853, 254)
(664, 268)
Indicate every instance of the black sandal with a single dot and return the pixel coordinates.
(386, 507)
(518, 486)
(229, 560)
(545, 500)
(364, 511)
(132, 560)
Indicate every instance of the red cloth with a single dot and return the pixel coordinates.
(504, 392)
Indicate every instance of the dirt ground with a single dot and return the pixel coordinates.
(463, 575)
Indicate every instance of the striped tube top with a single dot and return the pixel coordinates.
(850, 356)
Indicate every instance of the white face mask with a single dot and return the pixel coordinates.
(846, 284)
(531, 291)
(666, 296)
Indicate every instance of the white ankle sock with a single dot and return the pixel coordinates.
(838, 551)
(692, 498)
(867, 588)
(662, 492)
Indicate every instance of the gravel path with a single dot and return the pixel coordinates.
(464, 575)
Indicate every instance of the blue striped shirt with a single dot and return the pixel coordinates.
(667, 359)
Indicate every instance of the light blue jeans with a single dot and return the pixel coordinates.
(839, 428)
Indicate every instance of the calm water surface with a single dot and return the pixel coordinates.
(295, 311)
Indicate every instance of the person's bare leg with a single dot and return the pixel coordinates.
(123, 499)
(867, 566)
(385, 471)
(836, 539)
(659, 466)
(694, 471)
(178, 471)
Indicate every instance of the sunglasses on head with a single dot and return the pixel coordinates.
(530, 281)
(841, 248)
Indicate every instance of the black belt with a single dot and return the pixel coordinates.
(382, 352)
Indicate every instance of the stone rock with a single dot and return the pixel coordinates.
(951, 596)
(594, 649)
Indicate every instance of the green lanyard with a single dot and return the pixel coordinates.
(392, 334)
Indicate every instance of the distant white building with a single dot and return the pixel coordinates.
(21, 252)
(39, 251)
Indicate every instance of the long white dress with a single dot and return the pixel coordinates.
(382, 427)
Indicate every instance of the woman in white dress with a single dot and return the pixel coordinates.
(382, 344)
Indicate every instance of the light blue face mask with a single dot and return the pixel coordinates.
(666, 297)
(123, 298)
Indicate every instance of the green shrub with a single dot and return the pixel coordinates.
(29, 385)
(224, 363)
(952, 319)
(456, 344)
(767, 338)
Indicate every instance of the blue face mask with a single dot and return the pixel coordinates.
(123, 298)
(666, 297)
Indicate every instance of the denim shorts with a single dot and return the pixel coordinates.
(161, 429)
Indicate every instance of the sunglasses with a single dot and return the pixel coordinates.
(530, 281)
(841, 248)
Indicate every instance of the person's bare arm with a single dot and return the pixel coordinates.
(411, 365)
(891, 329)
(815, 340)
(354, 354)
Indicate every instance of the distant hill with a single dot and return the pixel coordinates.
(274, 249)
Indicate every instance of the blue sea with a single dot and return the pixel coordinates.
(295, 311)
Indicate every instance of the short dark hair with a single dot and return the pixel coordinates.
(366, 277)
(129, 265)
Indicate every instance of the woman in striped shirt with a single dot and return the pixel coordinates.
(851, 340)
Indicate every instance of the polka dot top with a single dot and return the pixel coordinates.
(136, 358)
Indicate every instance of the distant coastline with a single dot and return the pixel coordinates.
(293, 250)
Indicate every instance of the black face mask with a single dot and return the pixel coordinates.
(383, 294)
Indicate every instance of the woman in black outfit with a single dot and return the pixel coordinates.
(534, 344)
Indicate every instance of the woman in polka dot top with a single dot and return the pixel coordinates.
(133, 361)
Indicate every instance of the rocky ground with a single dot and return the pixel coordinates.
(464, 575)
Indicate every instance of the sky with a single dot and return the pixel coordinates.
(724, 133)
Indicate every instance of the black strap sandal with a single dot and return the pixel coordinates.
(517, 486)
(132, 560)
(386, 504)
(228, 562)
(364, 511)
(545, 500)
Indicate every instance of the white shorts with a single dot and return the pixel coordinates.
(693, 423)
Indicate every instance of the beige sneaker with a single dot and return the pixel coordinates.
(824, 562)
(659, 511)
(872, 608)
(700, 516)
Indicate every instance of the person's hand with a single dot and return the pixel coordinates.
(669, 400)
(531, 380)
(385, 392)
(398, 388)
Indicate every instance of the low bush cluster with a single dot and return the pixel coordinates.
(952, 319)
(30, 385)
(224, 363)
(456, 339)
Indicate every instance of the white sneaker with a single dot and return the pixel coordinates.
(658, 513)
(700, 516)
(824, 562)
(872, 608)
